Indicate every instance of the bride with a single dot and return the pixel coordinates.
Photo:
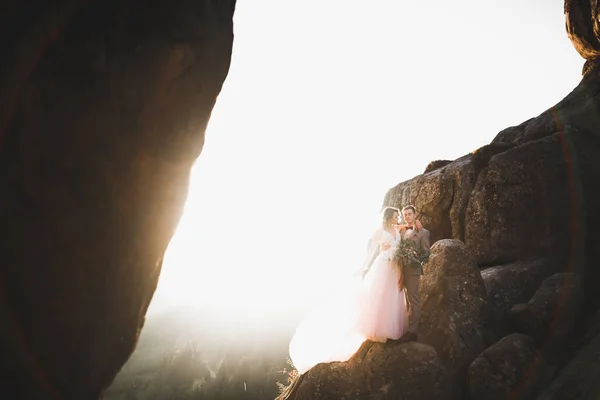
(373, 307)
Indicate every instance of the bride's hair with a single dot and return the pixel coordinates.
(388, 213)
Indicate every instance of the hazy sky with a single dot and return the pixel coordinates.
(329, 103)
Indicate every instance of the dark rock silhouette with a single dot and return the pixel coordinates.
(551, 315)
(580, 377)
(104, 105)
(511, 284)
(510, 369)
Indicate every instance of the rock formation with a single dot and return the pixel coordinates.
(509, 309)
(512, 368)
(104, 105)
(103, 110)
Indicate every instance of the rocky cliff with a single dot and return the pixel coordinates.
(509, 297)
(103, 110)
(104, 105)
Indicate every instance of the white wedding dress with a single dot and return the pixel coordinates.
(369, 308)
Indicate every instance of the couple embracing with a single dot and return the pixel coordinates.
(382, 303)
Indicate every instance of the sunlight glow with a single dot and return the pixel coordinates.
(326, 106)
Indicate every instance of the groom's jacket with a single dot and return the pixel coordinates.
(421, 240)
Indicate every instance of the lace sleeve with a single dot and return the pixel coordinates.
(372, 252)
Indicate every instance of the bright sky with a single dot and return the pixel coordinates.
(329, 103)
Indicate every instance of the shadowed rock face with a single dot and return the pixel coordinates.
(512, 284)
(103, 110)
(510, 369)
(580, 379)
(551, 315)
(453, 308)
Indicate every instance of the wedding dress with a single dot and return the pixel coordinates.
(369, 308)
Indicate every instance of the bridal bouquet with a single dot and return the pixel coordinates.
(408, 254)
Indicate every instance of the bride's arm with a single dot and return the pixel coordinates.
(418, 225)
(374, 242)
(373, 247)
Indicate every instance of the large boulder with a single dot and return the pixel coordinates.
(104, 108)
(580, 379)
(512, 368)
(453, 307)
(510, 284)
(552, 314)
(519, 206)
(377, 371)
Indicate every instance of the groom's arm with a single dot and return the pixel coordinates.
(425, 245)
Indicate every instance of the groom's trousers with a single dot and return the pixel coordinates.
(411, 282)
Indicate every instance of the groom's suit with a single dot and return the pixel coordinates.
(411, 276)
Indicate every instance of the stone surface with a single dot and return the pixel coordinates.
(580, 379)
(453, 307)
(528, 194)
(441, 194)
(551, 315)
(437, 164)
(510, 284)
(588, 330)
(104, 107)
(512, 134)
(518, 205)
(509, 369)
(391, 371)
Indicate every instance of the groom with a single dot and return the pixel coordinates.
(411, 274)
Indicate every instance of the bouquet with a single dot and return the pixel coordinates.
(408, 254)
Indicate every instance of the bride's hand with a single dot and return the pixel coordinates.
(385, 246)
(418, 225)
(401, 226)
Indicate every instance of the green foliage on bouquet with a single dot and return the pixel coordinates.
(408, 254)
